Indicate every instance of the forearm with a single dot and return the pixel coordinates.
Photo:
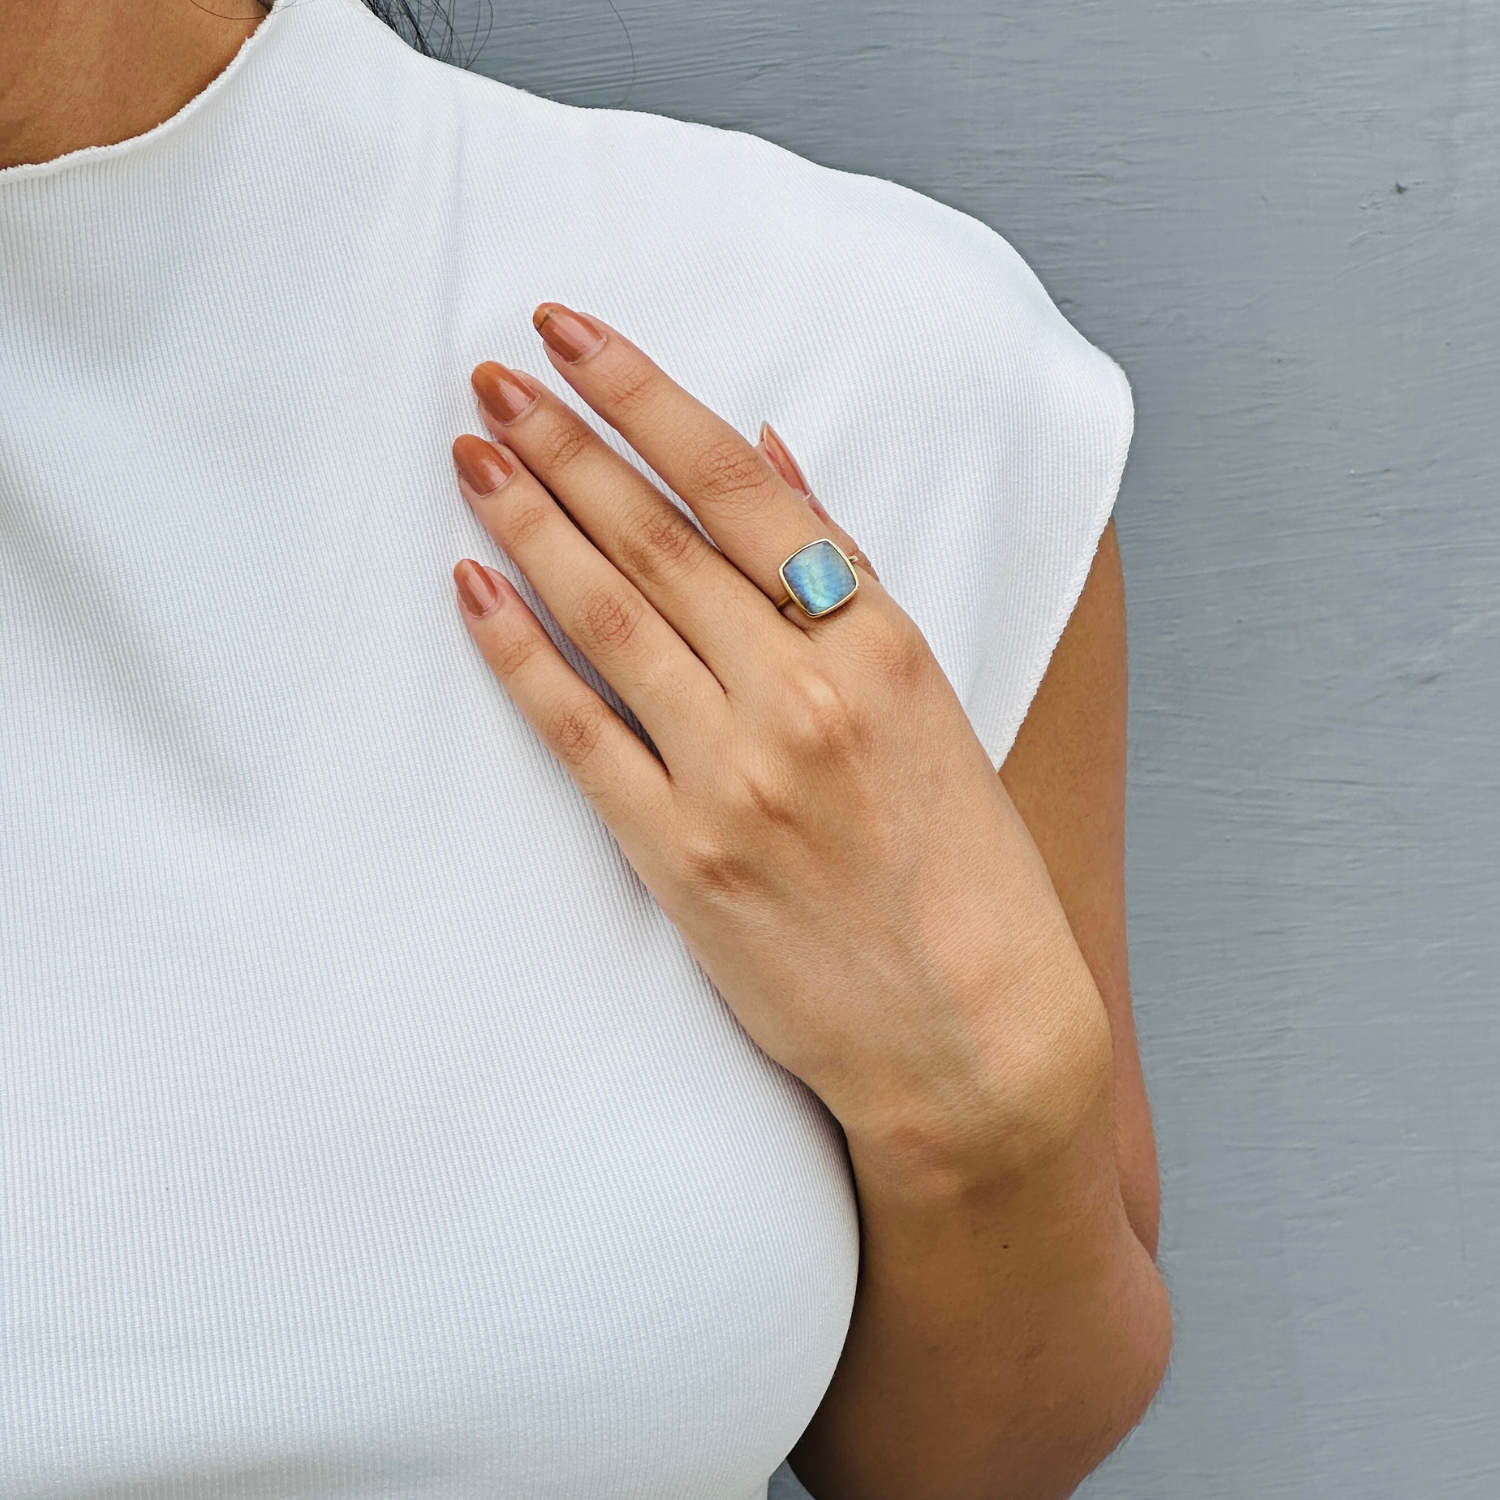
(866, 898)
(1004, 1340)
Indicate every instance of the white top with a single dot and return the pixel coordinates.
(365, 1129)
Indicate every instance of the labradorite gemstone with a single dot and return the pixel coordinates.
(819, 577)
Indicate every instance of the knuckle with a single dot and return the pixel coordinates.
(818, 716)
(661, 544)
(633, 389)
(522, 522)
(898, 654)
(574, 731)
(564, 441)
(607, 618)
(727, 472)
(510, 653)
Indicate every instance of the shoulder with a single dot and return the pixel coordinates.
(878, 284)
(947, 412)
(746, 222)
(763, 211)
(969, 437)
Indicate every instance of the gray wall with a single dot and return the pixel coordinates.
(1283, 219)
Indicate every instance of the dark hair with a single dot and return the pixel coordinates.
(427, 26)
(423, 24)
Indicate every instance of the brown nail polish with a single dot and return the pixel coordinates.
(476, 589)
(568, 334)
(481, 466)
(780, 459)
(502, 393)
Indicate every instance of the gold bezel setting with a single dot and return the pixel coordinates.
(795, 596)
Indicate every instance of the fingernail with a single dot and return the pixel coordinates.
(501, 392)
(782, 461)
(568, 334)
(482, 469)
(476, 590)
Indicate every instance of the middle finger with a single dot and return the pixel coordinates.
(636, 651)
(706, 599)
(751, 512)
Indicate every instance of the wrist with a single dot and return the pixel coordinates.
(1031, 1114)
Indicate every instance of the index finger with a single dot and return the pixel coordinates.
(754, 517)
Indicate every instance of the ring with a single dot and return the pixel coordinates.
(818, 578)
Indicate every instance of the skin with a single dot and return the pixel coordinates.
(959, 998)
(77, 73)
(870, 903)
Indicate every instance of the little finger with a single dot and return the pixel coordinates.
(607, 761)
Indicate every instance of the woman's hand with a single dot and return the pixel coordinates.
(820, 821)
(827, 833)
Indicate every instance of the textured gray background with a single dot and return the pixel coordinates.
(1283, 219)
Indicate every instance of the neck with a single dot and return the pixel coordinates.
(79, 73)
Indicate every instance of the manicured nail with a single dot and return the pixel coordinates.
(482, 468)
(780, 459)
(476, 590)
(568, 334)
(502, 393)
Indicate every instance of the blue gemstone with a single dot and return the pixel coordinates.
(819, 577)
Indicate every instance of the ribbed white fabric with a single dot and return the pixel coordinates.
(365, 1129)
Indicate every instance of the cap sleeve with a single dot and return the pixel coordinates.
(946, 412)
(966, 434)
(1055, 430)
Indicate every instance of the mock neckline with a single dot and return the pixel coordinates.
(219, 87)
